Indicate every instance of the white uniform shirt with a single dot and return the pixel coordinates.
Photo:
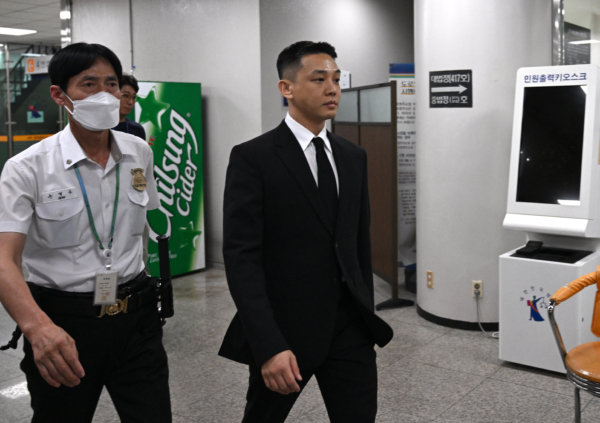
(40, 196)
(305, 137)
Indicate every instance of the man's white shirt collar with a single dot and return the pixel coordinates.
(72, 152)
(303, 135)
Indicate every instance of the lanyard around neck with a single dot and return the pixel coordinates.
(89, 211)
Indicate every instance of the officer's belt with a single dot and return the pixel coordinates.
(130, 296)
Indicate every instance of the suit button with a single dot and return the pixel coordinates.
(334, 280)
(336, 245)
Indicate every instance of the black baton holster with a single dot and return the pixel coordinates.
(16, 335)
(164, 288)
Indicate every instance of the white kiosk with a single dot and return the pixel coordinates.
(553, 196)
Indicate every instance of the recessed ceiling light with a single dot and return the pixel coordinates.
(65, 14)
(15, 31)
(584, 42)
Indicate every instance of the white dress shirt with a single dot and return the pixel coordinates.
(305, 137)
(40, 196)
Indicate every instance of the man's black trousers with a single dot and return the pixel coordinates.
(122, 352)
(347, 379)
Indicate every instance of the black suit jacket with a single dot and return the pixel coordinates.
(282, 257)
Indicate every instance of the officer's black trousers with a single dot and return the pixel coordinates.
(122, 352)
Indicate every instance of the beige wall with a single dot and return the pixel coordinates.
(463, 153)
(367, 35)
(231, 48)
(214, 42)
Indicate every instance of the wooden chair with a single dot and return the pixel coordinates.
(582, 362)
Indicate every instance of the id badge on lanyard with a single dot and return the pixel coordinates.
(105, 289)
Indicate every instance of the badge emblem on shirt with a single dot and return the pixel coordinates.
(139, 180)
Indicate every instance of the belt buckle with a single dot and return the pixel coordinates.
(114, 309)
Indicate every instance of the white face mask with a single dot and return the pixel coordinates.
(96, 112)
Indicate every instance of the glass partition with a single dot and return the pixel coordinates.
(375, 105)
(348, 108)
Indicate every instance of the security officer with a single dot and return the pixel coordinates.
(72, 213)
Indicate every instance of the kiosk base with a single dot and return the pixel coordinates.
(526, 285)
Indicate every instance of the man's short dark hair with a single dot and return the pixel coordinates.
(75, 58)
(290, 59)
(131, 81)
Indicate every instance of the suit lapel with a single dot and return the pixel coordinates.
(290, 152)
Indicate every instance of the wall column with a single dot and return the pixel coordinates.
(463, 153)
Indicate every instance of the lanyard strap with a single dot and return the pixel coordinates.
(89, 211)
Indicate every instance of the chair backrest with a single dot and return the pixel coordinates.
(596, 316)
(567, 291)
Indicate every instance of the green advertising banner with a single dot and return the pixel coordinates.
(171, 114)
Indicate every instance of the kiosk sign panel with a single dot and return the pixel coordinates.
(554, 177)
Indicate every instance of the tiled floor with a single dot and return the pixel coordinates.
(428, 373)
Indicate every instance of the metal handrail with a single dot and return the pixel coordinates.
(16, 77)
(19, 64)
(21, 59)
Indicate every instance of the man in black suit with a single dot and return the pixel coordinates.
(298, 254)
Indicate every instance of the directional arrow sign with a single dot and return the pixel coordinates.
(458, 89)
(451, 88)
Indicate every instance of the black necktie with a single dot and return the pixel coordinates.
(327, 185)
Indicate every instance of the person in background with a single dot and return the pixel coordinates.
(129, 89)
(72, 213)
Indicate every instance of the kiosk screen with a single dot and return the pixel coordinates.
(551, 145)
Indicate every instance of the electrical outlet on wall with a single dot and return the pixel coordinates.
(478, 285)
(430, 279)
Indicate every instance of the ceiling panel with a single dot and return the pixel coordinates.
(29, 15)
(53, 11)
(39, 15)
(12, 22)
(40, 2)
(42, 25)
(12, 6)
